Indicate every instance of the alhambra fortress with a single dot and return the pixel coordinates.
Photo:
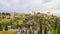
(18, 15)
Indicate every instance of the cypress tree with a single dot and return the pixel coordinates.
(40, 25)
(40, 28)
(55, 27)
(45, 30)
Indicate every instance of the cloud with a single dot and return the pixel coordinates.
(48, 5)
(29, 5)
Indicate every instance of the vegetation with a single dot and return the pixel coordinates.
(41, 23)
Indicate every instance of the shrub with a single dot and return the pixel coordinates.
(6, 28)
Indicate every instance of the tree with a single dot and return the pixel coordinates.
(1, 28)
(6, 28)
(58, 26)
(55, 26)
(45, 25)
(45, 30)
(58, 29)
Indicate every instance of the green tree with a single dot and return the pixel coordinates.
(45, 30)
(1, 28)
(6, 28)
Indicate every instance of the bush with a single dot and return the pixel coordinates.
(6, 28)
(1, 28)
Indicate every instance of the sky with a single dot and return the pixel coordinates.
(27, 6)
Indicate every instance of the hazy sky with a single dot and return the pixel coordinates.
(30, 5)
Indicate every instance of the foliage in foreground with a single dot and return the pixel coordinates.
(43, 23)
